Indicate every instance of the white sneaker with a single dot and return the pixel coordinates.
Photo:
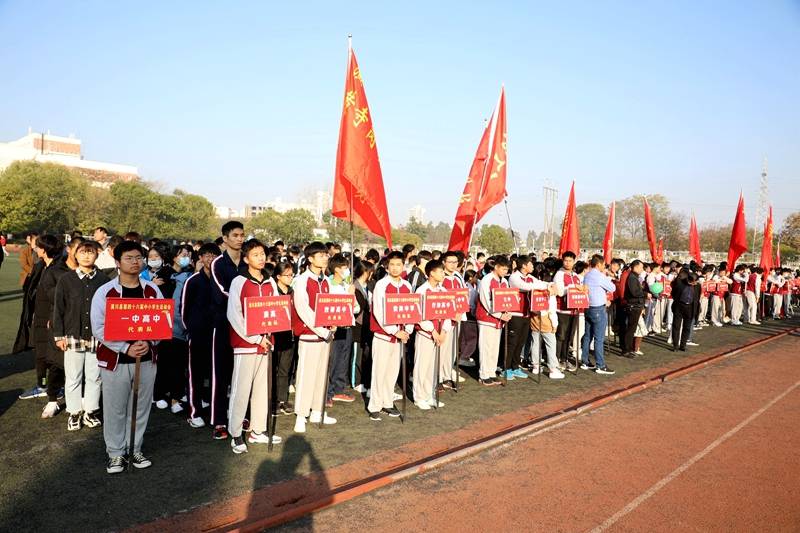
(461, 379)
(176, 408)
(184, 399)
(237, 445)
(291, 389)
(369, 392)
(162, 404)
(316, 417)
(396, 397)
(196, 422)
(717, 324)
(725, 320)
(556, 374)
(669, 341)
(467, 363)
(433, 403)
(204, 403)
(425, 406)
(756, 323)
(360, 388)
(300, 424)
(691, 343)
(263, 438)
(50, 410)
(535, 370)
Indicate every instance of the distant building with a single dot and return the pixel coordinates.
(46, 148)
(226, 212)
(417, 213)
(321, 204)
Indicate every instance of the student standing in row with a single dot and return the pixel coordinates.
(431, 335)
(490, 324)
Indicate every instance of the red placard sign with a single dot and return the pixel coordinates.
(439, 305)
(334, 310)
(267, 314)
(462, 299)
(667, 292)
(138, 319)
(506, 300)
(402, 309)
(722, 287)
(710, 286)
(540, 301)
(577, 299)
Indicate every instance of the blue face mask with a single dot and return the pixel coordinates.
(184, 262)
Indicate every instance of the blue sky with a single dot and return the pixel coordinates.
(242, 103)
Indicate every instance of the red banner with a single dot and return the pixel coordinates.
(267, 314)
(334, 310)
(462, 299)
(138, 319)
(722, 287)
(540, 301)
(710, 286)
(506, 300)
(577, 299)
(439, 305)
(401, 309)
(667, 292)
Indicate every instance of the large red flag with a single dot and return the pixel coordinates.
(651, 231)
(494, 182)
(608, 239)
(358, 193)
(766, 246)
(694, 242)
(570, 240)
(738, 243)
(461, 235)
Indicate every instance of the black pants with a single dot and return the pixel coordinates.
(364, 364)
(199, 355)
(171, 376)
(681, 324)
(340, 365)
(519, 328)
(281, 365)
(565, 332)
(633, 315)
(621, 325)
(221, 373)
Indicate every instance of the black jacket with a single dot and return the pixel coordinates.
(46, 292)
(73, 304)
(223, 270)
(196, 307)
(634, 294)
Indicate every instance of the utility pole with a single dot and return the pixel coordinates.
(763, 203)
(550, 195)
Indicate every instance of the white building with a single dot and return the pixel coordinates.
(321, 203)
(417, 213)
(46, 148)
(226, 212)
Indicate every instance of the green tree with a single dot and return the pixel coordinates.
(194, 216)
(668, 224)
(41, 196)
(417, 228)
(496, 239)
(439, 234)
(339, 230)
(790, 232)
(95, 209)
(401, 237)
(592, 220)
(136, 207)
(296, 226)
(530, 240)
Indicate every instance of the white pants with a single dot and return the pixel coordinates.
(703, 308)
(386, 359)
(777, 303)
(80, 365)
(424, 366)
(736, 308)
(311, 382)
(249, 385)
(752, 307)
(447, 356)
(717, 309)
(488, 348)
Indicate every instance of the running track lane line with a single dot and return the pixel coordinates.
(644, 496)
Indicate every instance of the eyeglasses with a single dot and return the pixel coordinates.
(289, 275)
(133, 259)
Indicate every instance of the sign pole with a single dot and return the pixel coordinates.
(134, 409)
(325, 383)
(270, 403)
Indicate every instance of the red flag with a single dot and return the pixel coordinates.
(494, 182)
(569, 228)
(766, 246)
(608, 239)
(738, 243)
(694, 242)
(651, 231)
(461, 235)
(358, 193)
(660, 251)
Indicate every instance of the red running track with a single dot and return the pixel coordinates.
(717, 450)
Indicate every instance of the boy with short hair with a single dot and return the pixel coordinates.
(72, 331)
(430, 335)
(250, 352)
(568, 319)
(385, 353)
(519, 326)
(342, 348)
(490, 324)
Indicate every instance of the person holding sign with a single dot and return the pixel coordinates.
(313, 349)
(718, 297)
(117, 361)
(385, 355)
(342, 347)
(519, 326)
(490, 325)
(705, 295)
(737, 294)
(250, 381)
(449, 350)
(567, 318)
(431, 334)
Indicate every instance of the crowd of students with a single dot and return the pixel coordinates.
(212, 373)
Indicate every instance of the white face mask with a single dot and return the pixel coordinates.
(346, 273)
(155, 264)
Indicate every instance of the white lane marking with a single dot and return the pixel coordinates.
(685, 466)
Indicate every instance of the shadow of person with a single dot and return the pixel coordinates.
(297, 457)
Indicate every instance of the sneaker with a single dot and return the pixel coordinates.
(433, 403)
(755, 323)
(262, 438)
(534, 370)
(496, 381)
(140, 461)
(697, 328)
(360, 388)
(449, 384)
(162, 404)
(490, 382)
(717, 324)
(396, 397)
(91, 420)
(219, 433)
(519, 373)
(467, 363)
(508, 375)
(556, 374)
(237, 445)
(184, 399)
(376, 416)
(196, 422)
(392, 412)
(316, 418)
(639, 352)
(603, 370)
(571, 367)
(461, 379)
(204, 404)
(690, 343)
(588, 366)
(50, 410)
(291, 389)
(115, 465)
(300, 424)
(176, 408)
(369, 391)
(74, 422)
(35, 392)
(423, 405)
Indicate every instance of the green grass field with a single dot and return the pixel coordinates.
(10, 302)
(54, 479)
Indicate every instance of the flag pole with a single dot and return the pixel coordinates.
(510, 228)
(350, 183)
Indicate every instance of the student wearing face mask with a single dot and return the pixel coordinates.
(340, 283)
(159, 269)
